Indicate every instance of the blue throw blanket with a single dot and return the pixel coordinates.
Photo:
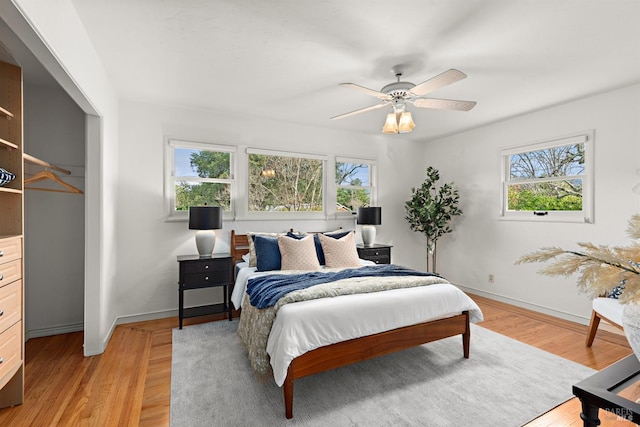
(265, 291)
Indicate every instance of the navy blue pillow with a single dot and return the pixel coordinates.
(268, 255)
(316, 240)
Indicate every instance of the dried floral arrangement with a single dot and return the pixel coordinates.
(602, 268)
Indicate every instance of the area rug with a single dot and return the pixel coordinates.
(503, 383)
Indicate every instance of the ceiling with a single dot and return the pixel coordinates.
(283, 59)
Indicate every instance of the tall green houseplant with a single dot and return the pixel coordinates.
(430, 211)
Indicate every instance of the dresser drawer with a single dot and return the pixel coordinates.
(10, 272)
(10, 352)
(374, 252)
(379, 255)
(206, 272)
(10, 249)
(10, 304)
(380, 259)
(206, 266)
(215, 278)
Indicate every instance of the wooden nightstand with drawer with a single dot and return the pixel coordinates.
(197, 273)
(378, 253)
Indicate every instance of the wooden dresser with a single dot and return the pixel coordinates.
(11, 239)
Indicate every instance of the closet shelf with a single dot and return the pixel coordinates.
(8, 144)
(10, 190)
(36, 161)
(6, 113)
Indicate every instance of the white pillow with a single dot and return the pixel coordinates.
(298, 254)
(340, 253)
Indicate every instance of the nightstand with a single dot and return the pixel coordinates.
(196, 273)
(380, 254)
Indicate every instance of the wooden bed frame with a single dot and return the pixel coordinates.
(359, 349)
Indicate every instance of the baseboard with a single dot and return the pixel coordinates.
(106, 339)
(534, 307)
(79, 327)
(55, 330)
(132, 318)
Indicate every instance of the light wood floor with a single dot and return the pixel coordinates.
(129, 384)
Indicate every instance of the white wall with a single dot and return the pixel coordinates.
(400, 169)
(54, 222)
(481, 244)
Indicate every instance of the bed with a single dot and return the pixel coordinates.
(311, 336)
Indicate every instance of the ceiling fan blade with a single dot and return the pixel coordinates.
(444, 104)
(366, 90)
(362, 110)
(441, 80)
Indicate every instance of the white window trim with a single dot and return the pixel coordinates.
(170, 178)
(240, 182)
(373, 187)
(243, 212)
(586, 215)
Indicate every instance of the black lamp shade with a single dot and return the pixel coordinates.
(370, 216)
(205, 217)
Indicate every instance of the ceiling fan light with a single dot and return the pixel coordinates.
(390, 125)
(406, 123)
(268, 172)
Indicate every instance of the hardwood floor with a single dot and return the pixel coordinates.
(129, 384)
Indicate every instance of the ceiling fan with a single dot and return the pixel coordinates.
(399, 94)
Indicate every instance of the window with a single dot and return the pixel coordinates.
(259, 184)
(549, 180)
(285, 182)
(355, 184)
(200, 174)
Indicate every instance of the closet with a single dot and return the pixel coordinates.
(11, 238)
(41, 231)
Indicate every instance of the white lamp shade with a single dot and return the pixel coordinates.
(406, 123)
(391, 125)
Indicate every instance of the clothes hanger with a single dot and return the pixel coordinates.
(48, 175)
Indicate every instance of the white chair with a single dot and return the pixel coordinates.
(608, 309)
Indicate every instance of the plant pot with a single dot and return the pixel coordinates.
(631, 325)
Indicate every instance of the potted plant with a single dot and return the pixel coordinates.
(430, 211)
(602, 270)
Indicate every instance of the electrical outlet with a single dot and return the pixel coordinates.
(491, 278)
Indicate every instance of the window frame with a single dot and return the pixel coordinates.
(583, 216)
(239, 182)
(372, 187)
(170, 178)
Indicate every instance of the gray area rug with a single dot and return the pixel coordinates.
(503, 383)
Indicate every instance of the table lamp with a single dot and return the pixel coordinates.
(369, 217)
(205, 219)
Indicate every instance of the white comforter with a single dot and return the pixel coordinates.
(307, 325)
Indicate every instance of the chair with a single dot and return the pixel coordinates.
(608, 309)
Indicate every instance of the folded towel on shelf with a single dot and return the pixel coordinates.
(6, 176)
